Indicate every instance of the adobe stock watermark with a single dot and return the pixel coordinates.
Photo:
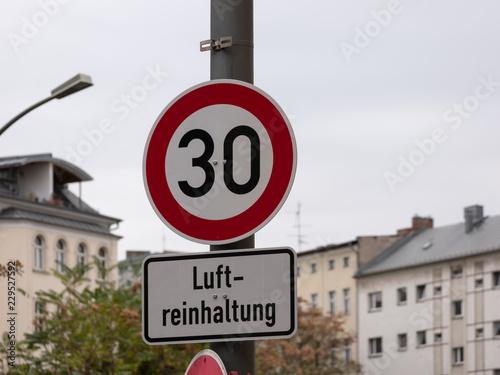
(223, 6)
(31, 26)
(122, 107)
(364, 36)
(425, 148)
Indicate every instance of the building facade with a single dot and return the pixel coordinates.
(325, 279)
(44, 225)
(430, 304)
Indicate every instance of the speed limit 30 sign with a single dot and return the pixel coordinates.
(219, 161)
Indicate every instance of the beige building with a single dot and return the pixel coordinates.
(44, 225)
(430, 304)
(325, 279)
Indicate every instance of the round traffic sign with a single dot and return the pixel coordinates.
(219, 161)
(206, 362)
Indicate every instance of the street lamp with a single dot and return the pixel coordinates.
(75, 84)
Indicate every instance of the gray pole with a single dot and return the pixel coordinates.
(233, 18)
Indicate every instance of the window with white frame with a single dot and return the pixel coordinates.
(314, 301)
(375, 301)
(458, 356)
(375, 346)
(332, 302)
(346, 305)
(81, 255)
(420, 292)
(347, 354)
(103, 263)
(437, 291)
(331, 264)
(402, 341)
(346, 261)
(39, 314)
(313, 267)
(479, 332)
(496, 278)
(456, 271)
(60, 255)
(457, 309)
(401, 295)
(38, 253)
(478, 283)
(496, 329)
(421, 338)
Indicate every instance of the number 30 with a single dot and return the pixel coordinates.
(203, 161)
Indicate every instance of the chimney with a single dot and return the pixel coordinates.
(472, 215)
(420, 222)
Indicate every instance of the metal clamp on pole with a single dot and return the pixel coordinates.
(216, 45)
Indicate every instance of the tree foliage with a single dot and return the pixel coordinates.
(316, 349)
(97, 330)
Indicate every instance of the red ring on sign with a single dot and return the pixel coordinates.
(282, 174)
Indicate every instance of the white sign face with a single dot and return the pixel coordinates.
(219, 296)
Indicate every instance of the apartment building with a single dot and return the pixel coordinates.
(430, 304)
(325, 279)
(44, 225)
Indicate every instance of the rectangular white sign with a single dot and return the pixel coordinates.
(219, 296)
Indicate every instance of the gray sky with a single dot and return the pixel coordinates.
(394, 104)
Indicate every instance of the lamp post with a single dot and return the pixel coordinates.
(75, 84)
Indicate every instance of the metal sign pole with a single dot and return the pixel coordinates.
(234, 19)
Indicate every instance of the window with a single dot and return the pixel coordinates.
(456, 272)
(479, 333)
(375, 346)
(438, 337)
(346, 301)
(313, 267)
(375, 301)
(314, 301)
(347, 354)
(39, 314)
(81, 252)
(60, 255)
(346, 261)
(421, 339)
(102, 263)
(331, 264)
(479, 283)
(437, 290)
(458, 356)
(402, 341)
(38, 253)
(457, 309)
(496, 372)
(496, 329)
(420, 292)
(332, 305)
(298, 271)
(401, 296)
(496, 278)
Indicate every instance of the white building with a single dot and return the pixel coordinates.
(430, 304)
(44, 225)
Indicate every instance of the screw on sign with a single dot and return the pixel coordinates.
(219, 162)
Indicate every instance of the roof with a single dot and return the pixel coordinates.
(20, 214)
(434, 245)
(323, 249)
(65, 171)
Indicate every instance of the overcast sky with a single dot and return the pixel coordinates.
(394, 105)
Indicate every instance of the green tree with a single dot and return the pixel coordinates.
(316, 348)
(95, 331)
